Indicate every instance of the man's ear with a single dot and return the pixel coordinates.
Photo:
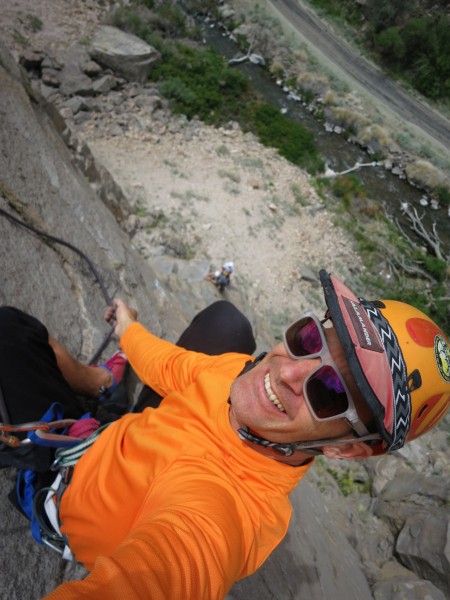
(350, 450)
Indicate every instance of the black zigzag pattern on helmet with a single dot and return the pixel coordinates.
(402, 399)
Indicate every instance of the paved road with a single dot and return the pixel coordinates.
(364, 73)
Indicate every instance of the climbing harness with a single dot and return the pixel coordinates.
(42, 506)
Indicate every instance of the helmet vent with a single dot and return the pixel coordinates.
(414, 380)
(378, 304)
(422, 410)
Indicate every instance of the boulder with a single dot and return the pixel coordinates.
(423, 546)
(123, 53)
(398, 583)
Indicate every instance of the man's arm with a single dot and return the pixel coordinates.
(188, 545)
(160, 364)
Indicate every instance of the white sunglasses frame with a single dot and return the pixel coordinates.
(350, 415)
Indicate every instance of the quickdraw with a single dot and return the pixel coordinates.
(41, 429)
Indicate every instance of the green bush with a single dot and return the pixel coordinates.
(199, 83)
(391, 46)
(293, 141)
(411, 38)
(420, 52)
(347, 187)
(443, 195)
(147, 3)
(436, 268)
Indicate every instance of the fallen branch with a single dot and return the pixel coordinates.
(430, 238)
(410, 269)
(254, 58)
(330, 173)
(239, 59)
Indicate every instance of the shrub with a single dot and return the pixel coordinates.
(200, 83)
(347, 187)
(293, 141)
(424, 173)
(436, 267)
(419, 51)
(391, 46)
(443, 194)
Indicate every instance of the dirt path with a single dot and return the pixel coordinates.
(364, 74)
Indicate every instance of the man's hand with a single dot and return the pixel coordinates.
(120, 316)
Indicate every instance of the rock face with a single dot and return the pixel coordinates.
(337, 547)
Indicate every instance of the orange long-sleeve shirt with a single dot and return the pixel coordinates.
(170, 503)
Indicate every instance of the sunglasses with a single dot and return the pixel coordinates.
(324, 389)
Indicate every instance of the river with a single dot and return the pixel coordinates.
(380, 184)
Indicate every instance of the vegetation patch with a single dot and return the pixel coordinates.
(410, 38)
(423, 173)
(348, 484)
(199, 83)
(293, 141)
(395, 268)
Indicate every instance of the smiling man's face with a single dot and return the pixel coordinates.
(269, 398)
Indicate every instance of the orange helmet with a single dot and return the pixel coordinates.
(399, 358)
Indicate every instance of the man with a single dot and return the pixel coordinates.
(182, 501)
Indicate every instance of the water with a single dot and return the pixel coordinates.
(381, 186)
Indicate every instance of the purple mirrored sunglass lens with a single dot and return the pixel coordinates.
(330, 379)
(303, 338)
(326, 393)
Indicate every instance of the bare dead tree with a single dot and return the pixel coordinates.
(410, 269)
(431, 238)
(256, 58)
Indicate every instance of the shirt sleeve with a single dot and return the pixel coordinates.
(188, 544)
(166, 367)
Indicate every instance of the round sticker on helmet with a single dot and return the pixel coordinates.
(442, 354)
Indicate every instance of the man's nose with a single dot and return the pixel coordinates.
(294, 372)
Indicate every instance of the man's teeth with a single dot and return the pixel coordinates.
(271, 395)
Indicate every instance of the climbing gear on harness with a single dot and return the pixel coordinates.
(46, 432)
(43, 513)
(38, 431)
(68, 457)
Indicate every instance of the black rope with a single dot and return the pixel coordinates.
(91, 265)
(64, 243)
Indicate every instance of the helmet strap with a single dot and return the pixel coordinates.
(311, 447)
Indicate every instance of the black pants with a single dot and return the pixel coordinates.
(217, 329)
(30, 381)
(29, 375)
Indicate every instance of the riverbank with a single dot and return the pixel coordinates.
(345, 89)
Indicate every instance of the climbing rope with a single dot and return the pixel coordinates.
(90, 264)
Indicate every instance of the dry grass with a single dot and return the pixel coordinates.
(423, 173)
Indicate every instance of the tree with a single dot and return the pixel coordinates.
(390, 44)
